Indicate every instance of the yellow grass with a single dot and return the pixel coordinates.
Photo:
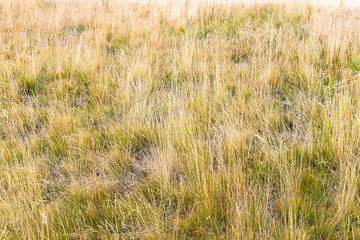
(121, 120)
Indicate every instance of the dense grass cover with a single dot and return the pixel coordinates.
(178, 121)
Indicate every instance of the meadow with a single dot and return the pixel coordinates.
(182, 120)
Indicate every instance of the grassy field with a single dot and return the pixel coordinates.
(178, 121)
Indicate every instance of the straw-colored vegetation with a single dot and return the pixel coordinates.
(178, 121)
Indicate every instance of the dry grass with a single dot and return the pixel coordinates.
(166, 121)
